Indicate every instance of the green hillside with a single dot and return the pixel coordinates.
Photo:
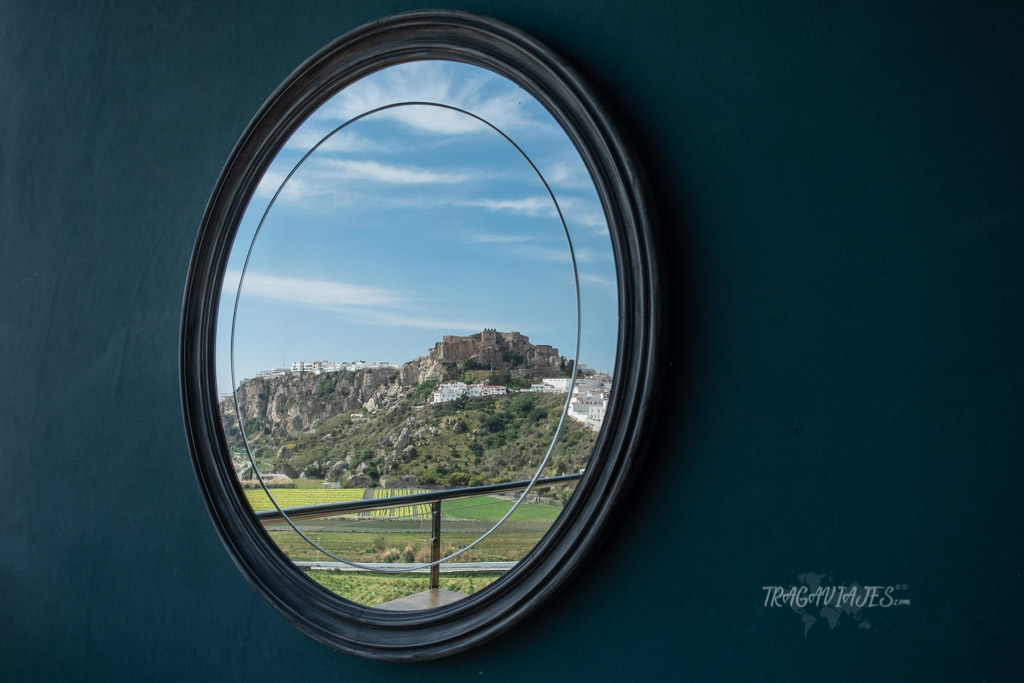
(408, 441)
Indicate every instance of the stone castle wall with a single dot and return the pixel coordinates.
(489, 348)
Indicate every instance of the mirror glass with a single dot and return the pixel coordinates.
(417, 332)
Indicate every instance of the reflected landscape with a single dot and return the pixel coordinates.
(398, 335)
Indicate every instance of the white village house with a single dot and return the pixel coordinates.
(453, 390)
(319, 367)
(589, 400)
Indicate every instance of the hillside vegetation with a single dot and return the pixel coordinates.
(377, 427)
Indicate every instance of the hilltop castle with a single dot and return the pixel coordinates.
(494, 349)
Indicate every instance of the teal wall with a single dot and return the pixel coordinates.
(842, 194)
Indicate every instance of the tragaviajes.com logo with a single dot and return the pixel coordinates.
(813, 599)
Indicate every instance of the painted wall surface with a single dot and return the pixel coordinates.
(841, 187)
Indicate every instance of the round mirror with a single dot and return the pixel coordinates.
(434, 229)
(418, 343)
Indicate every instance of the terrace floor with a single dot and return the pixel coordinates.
(428, 599)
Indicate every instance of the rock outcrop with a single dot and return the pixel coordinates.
(299, 401)
(497, 350)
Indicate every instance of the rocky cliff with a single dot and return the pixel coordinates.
(299, 401)
(374, 425)
(487, 350)
(495, 350)
(296, 402)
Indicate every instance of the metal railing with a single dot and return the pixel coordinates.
(433, 498)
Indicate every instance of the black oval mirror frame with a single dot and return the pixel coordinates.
(579, 530)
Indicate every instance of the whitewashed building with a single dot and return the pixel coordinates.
(589, 407)
(485, 390)
(589, 401)
(552, 385)
(453, 390)
(449, 391)
(364, 365)
(319, 367)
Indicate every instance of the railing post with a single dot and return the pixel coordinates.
(435, 543)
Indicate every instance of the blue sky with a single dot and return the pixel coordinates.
(415, 222)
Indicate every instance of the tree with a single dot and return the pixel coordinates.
(495, 423)
(523, 404)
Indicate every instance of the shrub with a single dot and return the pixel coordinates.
(482, 403)
(495, 423)
(523, 404)
(424, 389)
(253, 427)
(273, 481)
(458, 479)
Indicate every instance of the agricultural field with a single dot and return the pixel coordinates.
(492, 509)
(406, 539)
(303, 483)
(408, 545)
(419, 511)
(371, 589)
(487, 508)
(298, 497)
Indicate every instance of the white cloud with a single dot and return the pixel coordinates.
(406, 319)
(524, 249)
(269, 183)
(602, 281)
(530, 206)
(528, 247)
(298, 189)
(570, 175)
(352, 169)
(481, 92)
(537, 252)
(314, 293)
(358, 303)
(592, 219)
(577, 212)
(436, 120)
(318, 179)
(584, 212)
(343, 141)
(475, 237)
